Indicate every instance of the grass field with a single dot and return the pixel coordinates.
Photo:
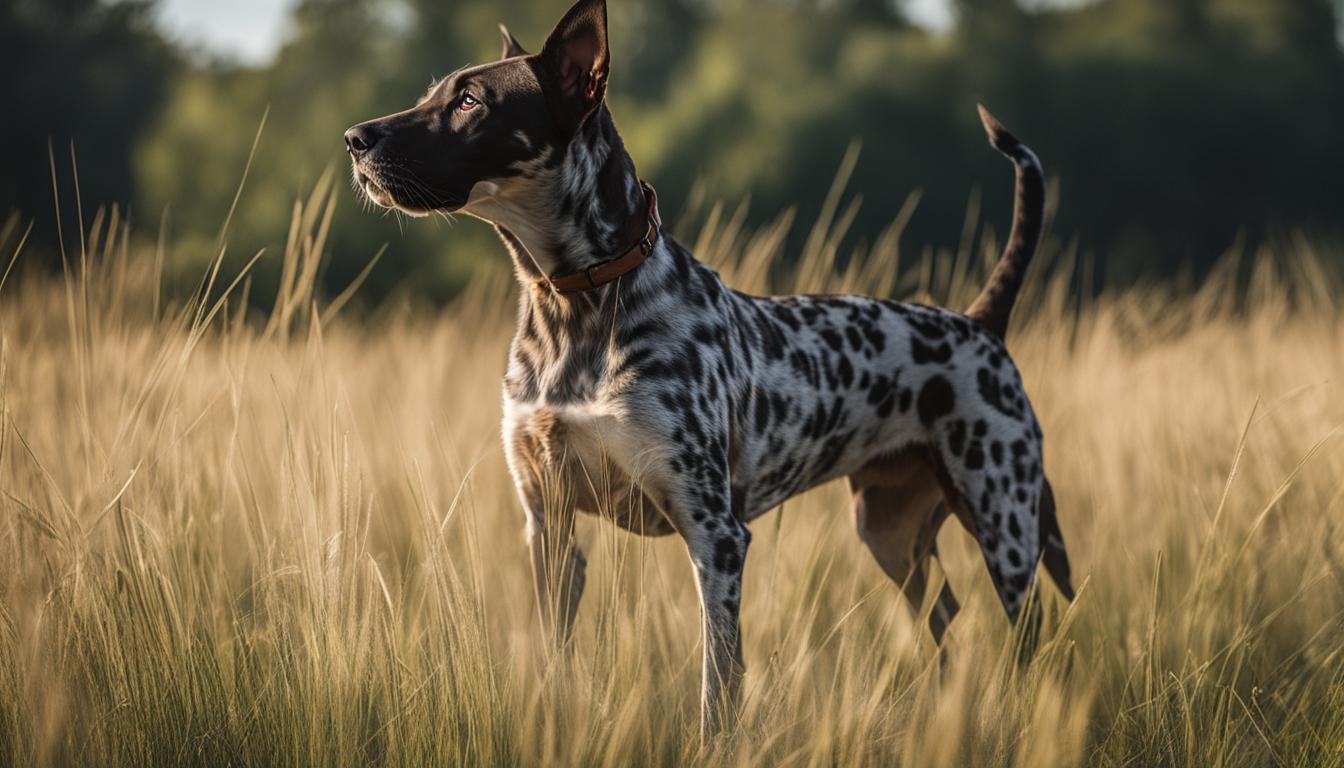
(233, 540)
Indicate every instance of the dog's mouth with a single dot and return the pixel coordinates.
(373, 190)
(386, 187)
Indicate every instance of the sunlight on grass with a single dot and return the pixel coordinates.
(237, 540)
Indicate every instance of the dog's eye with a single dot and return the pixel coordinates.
(467, 102)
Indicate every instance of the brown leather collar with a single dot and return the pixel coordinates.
(641, 230)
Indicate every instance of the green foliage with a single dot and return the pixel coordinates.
(81, 73)
(1177, 128)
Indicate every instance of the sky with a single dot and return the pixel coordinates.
(250, 31)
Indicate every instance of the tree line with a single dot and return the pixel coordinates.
(1175, 129)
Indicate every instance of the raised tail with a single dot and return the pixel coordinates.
(994, 305)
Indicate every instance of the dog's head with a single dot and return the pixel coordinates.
(481, 126)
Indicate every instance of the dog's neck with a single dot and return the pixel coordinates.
(568, 209)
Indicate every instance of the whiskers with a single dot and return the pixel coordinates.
(408, 192)
(365, 202)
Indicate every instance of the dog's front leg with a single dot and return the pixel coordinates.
(717, 543)
(558, 565)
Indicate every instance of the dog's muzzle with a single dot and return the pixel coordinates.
(359, 142)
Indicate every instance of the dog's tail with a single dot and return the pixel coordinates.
(994, 305)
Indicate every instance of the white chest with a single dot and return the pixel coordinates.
(594, 438)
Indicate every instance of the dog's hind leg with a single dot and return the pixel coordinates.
(945, 607)
(1054, 556)
(899, 523)
(989, 463)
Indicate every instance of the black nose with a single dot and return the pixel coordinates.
(361, 138)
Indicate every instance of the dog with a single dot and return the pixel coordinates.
(639, 387)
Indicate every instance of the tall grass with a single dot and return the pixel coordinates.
(231, 540)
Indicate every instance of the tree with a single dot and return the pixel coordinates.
(83, 73)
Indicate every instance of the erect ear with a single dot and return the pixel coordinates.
(577, 57)
(511, 45)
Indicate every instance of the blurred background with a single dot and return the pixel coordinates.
(1175, 130)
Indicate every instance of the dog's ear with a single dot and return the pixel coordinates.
(577, 57)
(511, 46)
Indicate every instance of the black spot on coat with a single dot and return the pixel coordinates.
(923, 354)
(936, 399)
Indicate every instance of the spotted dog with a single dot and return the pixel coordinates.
(643, 389)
